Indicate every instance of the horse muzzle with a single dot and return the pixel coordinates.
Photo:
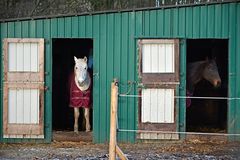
(80, 81)
(217, 83)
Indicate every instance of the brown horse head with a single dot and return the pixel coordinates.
(210, 73)
(199, 70)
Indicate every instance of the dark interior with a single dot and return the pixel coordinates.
(64, 51)
(207, 115)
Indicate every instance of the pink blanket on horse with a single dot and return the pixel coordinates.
(188, 100)
(79, 98)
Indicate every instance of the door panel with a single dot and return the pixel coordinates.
(159, 75)
(23, 88)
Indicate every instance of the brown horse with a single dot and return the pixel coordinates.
(199, 70)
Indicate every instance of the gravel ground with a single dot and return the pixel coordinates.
(190, 150)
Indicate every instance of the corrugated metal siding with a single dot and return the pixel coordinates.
(115, 53)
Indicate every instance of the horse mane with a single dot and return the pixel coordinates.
(194, 73)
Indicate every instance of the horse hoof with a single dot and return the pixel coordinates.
(88, 130)
(76, 131)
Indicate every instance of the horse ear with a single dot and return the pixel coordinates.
(75, 59)
(85, 59)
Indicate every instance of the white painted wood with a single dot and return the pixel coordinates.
(27, 106)
(20, 54)
(5, 136)
(23, 57)
(154, 105)
(161, 110)
(152, 136)
(158, 105)
(154, 58)
(160, 136)
(23, 136)
(34, 57)
(12, 106)
(169, 105)
(169, 58)
(158, 58)
(146, 58)
(23, 106)
(27, 57)
(12, 54)
(20, 106)
(146, 95)
(161, 58)
(34, 106)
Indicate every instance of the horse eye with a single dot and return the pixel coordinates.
(76, 67)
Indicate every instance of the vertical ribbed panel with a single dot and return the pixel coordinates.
(157, 106)
(1, 83)
(115, 53)
(237, 130)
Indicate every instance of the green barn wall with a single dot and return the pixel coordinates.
(115, 38)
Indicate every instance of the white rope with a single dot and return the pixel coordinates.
(187, 133)
(125, 95)
(185, 97)
(224, 98)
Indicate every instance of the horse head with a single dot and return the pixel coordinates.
(210, 73)
(80, 70)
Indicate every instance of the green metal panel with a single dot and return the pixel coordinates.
(182, 87)
(82, 26)
(89, 26)
(115, 53)
(225, 20)
(238, 71)
(103, 88)
(217, 22)
(75, 27)
(167, 23)
(123, 107)
(110, 64)
(146, 23)
(32, 29)
(196, 23)
(48, 80)
(175, 22)
(1, 83)
(96, 94)
(232, 70)
(182, 24)
(61, 26)
(153, 21)
(131, 113)
(189, 22)
(203, 21)
(210, 23)
(160, 23)
(18, 29)
(68, 27)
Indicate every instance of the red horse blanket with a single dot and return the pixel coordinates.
(188, 100)
(79, 98)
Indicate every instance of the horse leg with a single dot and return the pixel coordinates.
(86, 114)
(76, 116)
